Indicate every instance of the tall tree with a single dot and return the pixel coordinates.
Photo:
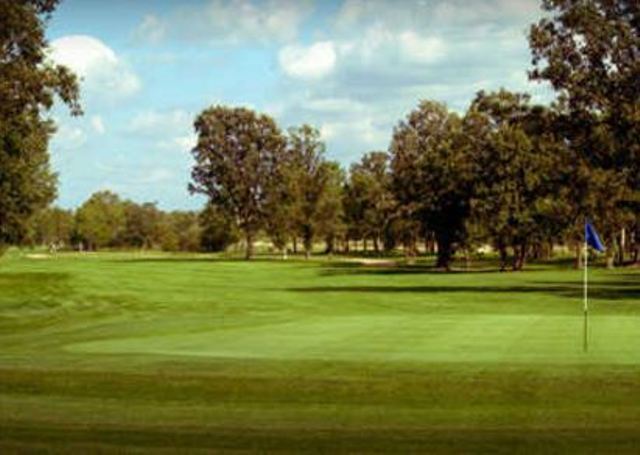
(235, 161)
(330, 223)
(28, 85)
(517, 179)
(589, 51)
(432, 176)
(373, 203)
(309, 177)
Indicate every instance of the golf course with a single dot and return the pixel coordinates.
(153, 352)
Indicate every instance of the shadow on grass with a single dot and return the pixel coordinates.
(612, 290)
(208, 260)
(355, 268)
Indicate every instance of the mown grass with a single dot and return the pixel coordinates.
(152, 353)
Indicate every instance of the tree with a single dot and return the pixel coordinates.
(372, 201)
(52, 225)
(309, 176)
(432, 175)
(28, 85)
(235, 161)
(517, 176)
(100, 221)
(218, 231)
(185, 232)
(140, 225)
(589, 51)
(330, 214)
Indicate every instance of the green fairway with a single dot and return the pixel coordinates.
(136, 352)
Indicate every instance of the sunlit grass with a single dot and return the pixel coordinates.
(154, 351)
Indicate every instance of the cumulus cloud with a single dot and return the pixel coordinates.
(224, 21)
(312, 62)
(104, 74)
(387, 57)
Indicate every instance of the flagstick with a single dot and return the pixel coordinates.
(585, 344)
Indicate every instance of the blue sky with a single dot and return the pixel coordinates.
(352, 68)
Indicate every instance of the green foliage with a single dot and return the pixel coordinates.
(140, 225)
(218, 230)
(588, 52)
(236, 161)
(181, 231)
(368, 198)
(329, 219)
(432, 175)
(28, 85)
(100, 221)
(309, 176)
(52, 226)
(516, 188)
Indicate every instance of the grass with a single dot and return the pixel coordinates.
(153, 353)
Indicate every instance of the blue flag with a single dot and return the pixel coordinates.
(591, 237)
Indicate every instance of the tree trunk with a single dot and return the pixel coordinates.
(502, 250)
(578, 260)
(519, 256)
(295, 245)
(376, 245)
(610, 253)
(622, 247)
(445, 251)
(308, 244)
(330, 244)
(249, 247)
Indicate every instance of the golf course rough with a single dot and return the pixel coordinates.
(150, 352)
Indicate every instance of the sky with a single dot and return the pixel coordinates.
(352, 68)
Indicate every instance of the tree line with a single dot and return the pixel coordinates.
(506, 172)
(105, 220)
(518, 176)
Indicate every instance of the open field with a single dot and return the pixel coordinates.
(151, 353)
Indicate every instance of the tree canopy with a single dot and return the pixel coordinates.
(29, 84)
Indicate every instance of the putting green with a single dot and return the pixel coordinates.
(453, 338)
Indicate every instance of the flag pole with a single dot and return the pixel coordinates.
(585, 341)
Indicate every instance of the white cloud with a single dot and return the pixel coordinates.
(178, 143)
(420, 49)
(156, 176)
(364, 129)
(421, 15)
(98, 124)
(69, 137)
(158, 122)
(172, 129)
(104, 75)
(312, 62)
(224, 21)
(151, 29)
